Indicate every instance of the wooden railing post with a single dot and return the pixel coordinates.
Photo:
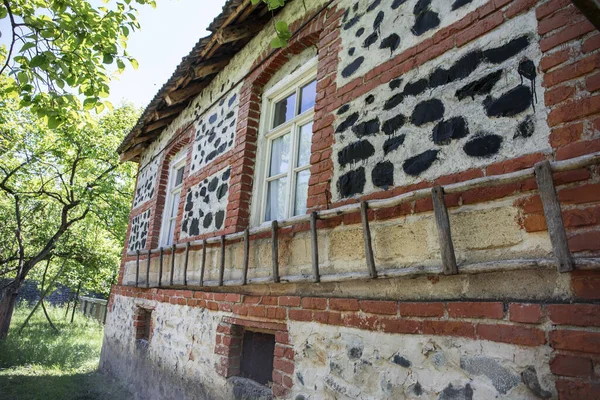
(275, 250)
(173, 249)
(442, 221)
(203, 265)
(185, 263)
(222, 266)
(364, 215)
(314, 241)
(137, 267)
(556, 226)
(246, 255)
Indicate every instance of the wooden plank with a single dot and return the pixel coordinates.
(237, 32)
(275, 250)
(185, 263)
(137, 268)
(444, 233)
(203, 262)
(160, 267)
(159, 124)
(222, 267)
(169, 111)
(314, 246)
(364, 216)
(552, 211)
(246, 255)
(179, 95)
(173, 250)
(148, 269)
(131, 153)
(210, 67)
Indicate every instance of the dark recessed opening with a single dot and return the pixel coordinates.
(144, 325)
(257, 357)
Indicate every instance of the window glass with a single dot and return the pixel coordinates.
(302, 178)
(179, 176)
(304, 145)
(276, 199)
(285, 110)
(280, 155)
(308, 94)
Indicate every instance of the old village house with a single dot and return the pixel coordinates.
(372, 212)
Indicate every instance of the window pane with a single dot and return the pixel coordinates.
(170, 233)
(308, 96)
(280, 155)
(284, 110)
(301, 192)
(174, 205)
(179, 176)
(276, 199)
(305, 139)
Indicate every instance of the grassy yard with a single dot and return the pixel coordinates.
(41, 364)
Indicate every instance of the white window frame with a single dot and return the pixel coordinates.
(176, 163)
(284, 88)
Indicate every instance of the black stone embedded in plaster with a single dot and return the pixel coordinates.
(460, 3)
(351, 51)
(231, 100)
(393, 124)
(366, 128)
(527, 69)
(483, 145)
(212, 118)
(370, 99)
(480, 86)
(383, 175)
(397, 3)
(454, 128)
(347, 123)
(509, 50)
(526, 128)
(373, 5)
(194, 227)
(360, 32)
(352, 67)
(401, 361)
(427, 111)
(425, 22)
(461, 69)
(219, 218)
(414, 166)
(511, 103)
(213, 184)
(415, 88)
(226, 174)
(343, 109)
(452, 393)
(395, 84)
(208, 218)
(391, 42)
(378, 21)
(189, 203)
(354, 152)
(393, 143)
(352, 22)
(421, 6)
(222, 191)
(352, 182)
(393, 101)
(370, 40)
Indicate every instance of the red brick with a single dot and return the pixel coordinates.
(571, 366)
(582, 194)
(366, 322)
(300, 315)
(547, 9)
(395, 325)
(476, 310)
(327, 317)
(284, 365)
(526, 313)
(511, 334)
(592, 82)
(289, 301)
(379, 307)
(314, 303)
(449, 328)
(515, 164)
(565, 135)
(578, 149)
(574, 31)
(574, 110)
(344, 304)
(422, 309)
(582, 216)
(577, 390)
(581, 341)
(554, 59)
(559, 94)
(276, 312)
(519, 6)
(585, 241)
(571, 71)
(535, 222)
(558, 20)
(479, 28)
(586, 284)
(591, 44)
(282, 337)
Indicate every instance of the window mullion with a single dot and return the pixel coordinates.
(294, 161)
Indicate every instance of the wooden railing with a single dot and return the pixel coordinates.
(93, 308)
(542, 172)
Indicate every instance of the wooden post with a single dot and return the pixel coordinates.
(246, 255)
(364, 215)
(275, 250)
(314, 241)
(222, 267)
(137, 268)
(75, 301)
(185, 263)
(203, 263)
(173, 249)
(445, 235)
(160, 267)
(556, 227)
(148, 269)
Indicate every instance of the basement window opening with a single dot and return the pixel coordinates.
(143, 322)
(258, 350)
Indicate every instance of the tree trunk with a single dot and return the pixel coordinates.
(7, 306)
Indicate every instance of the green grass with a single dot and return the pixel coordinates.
(41, 364)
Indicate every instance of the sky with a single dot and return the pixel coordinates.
(168, 33)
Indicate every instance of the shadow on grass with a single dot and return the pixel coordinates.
(90, 386)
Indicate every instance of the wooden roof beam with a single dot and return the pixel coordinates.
(180, 95)
(210, 67)
(237, 32)
(131, 153)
